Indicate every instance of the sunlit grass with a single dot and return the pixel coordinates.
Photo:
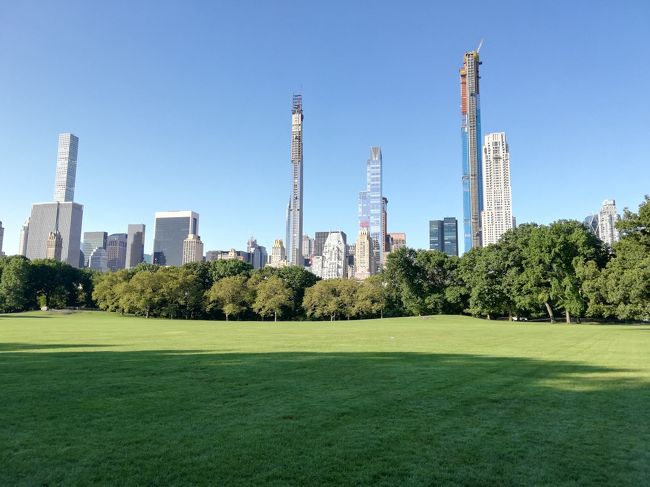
(100, 399)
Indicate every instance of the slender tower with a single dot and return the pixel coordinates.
(295, 210)
(66, 168)
(471, 134)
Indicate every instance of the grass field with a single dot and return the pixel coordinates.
(97, 399)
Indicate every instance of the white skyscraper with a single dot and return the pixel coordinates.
(66, 168)
(334, 257)
(607, 218)
(496, 217)
(192, 249)
(24, 234)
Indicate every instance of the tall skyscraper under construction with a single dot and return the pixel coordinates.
(295, 210)
(471, 135)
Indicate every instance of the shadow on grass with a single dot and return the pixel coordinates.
(179, 416)
(19, 347)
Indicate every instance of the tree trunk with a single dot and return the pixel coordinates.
(568, 316)
(382, 314)
(550, 311)
(488, 316)
(275, 316)
(226, 317)
(146, 314)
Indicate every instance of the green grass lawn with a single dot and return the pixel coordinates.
(98, 399)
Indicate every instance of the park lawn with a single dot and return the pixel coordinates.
(93, 398)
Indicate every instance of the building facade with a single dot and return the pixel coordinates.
(278, 254)
(471, 138)
(135, 245)
(98, 260)
(92, 241)
(364, 260)
(24, 235)
(397, 240)
(170, 231)
(54, 246)
(116, 251)
(496, 217)
(443, 235)
(372, 207)
(66, 168)
(334, 257)
(295, 211)
(192, 249)
(62, 218)
(2, 236)
(257, 254)
(607, 218)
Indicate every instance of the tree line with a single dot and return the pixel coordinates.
(533, 271)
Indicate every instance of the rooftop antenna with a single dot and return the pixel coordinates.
(480, 44)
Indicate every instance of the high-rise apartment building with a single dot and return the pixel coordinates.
(24, 235)
(397, 240)
(66, 168)
(170, 231)
(364, 261)
(372, 207)
(496, 217)
(92, 241)
(334, 257)
(443, 235)
(307, 246)
(319, 242)
(63, 216)
(278, 254)
(257, 253)
(116, 250)
(192, 249)
(295, 211)
(471, 136)
(384, 225)
(135, 245)
(607, 218)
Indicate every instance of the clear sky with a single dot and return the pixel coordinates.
(186, 105)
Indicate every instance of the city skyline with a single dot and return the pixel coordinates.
(411, 109)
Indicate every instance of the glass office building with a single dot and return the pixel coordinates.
(171, 230)
(443, 235)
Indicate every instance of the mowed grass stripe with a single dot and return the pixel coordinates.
(95, 398)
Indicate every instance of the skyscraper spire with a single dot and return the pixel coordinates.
(295, 209)
(471, 134)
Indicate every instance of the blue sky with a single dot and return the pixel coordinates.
(186, 105)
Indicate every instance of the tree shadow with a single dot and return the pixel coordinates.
(18, 347)
(190, 417)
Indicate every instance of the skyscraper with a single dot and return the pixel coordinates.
(443, 235)
(307, 246)
(257, 253)
(319, 242)
(471, 136)
(24, 235)
(116, 250)
(607, 218)
(192, 249)
(98, 260)
(295, 211)
(63, 216)
(371, 205)
(496, 217)
(278, 254)
(54, 246)
(334, 257)
(170, 231)
(66, 168)
(2, 236)
(92, 241)
(397, 240)
(384, 225)
(364, 262)
(135, 245)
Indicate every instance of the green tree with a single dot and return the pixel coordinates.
(329, 298)
(108, 290)
(231, 294)
(229, 268)
(143, 295)
(16, 287)
(273, 296)
(371, 297)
